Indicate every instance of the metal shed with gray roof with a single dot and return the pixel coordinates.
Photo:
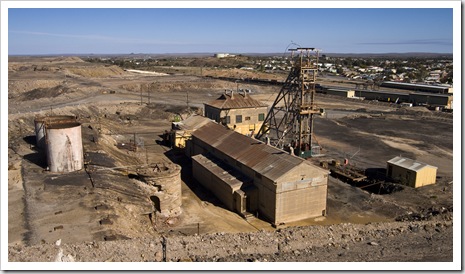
(411, 172)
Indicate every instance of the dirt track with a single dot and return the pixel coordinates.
(109, 99)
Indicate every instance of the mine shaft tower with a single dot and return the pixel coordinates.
(289, 123)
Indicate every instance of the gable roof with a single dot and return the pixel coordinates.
(235, 100)
(230, 176)
(408, 163)
(266, 160)
(193, 122)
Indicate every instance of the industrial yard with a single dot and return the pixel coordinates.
(134, 196)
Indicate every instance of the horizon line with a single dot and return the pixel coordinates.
(233, 53)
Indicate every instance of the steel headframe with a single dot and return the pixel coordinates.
(289, 122)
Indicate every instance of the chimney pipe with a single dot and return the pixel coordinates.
(291, 151)
(268, 140)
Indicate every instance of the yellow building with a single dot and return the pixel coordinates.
(181, 131)
(237, 111)
(410, 172)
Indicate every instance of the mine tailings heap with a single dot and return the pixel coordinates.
(63, 142)
(165, 179)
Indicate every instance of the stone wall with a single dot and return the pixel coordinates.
(165, 178)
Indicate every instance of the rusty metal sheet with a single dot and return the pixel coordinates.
(266, 160)
(234, 144)
(211, 133)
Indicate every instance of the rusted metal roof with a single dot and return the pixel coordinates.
(234, 101)
(212, 133)
(266, 160)
(228, 175)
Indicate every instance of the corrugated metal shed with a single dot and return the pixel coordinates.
(235, 101)
(212, 134)
(191, 123)
(266, 160)
(230, 176)
(408, 163)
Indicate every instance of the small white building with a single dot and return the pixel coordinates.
(223, 55)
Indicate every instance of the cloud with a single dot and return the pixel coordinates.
(446, 42)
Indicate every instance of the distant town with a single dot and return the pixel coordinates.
(435, 69)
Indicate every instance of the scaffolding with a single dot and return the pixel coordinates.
(289, 122)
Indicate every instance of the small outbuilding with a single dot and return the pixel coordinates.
(411, 172)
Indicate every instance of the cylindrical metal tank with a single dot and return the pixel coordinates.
(41, 121)
(64, 147)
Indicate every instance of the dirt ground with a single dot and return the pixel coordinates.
(109, 205)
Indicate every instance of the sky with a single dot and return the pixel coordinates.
(231, 30)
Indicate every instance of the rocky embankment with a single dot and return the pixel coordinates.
(376, 242)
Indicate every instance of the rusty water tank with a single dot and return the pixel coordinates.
(41, 121)
(64, 146)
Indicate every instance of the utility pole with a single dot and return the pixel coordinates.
(187, 100)
(146, 157)
(154, 85)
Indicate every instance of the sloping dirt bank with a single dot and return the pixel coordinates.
(394, 242)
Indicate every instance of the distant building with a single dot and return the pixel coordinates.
(418, 87)
(340, 92)
(251, 177)
(434, 100)
(224, 55)
(237, 111)
(410, 172)
(415, 98)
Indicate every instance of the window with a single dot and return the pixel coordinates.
(228, 119)
(238, 118)
(247, 118)
(261, 117)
